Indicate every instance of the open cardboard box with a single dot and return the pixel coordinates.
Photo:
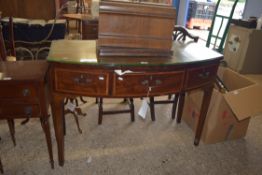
(229, 113)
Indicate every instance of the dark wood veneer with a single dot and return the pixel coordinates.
(124, 26)
(185, 70)
(24, 95)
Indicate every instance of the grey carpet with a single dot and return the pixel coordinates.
(119, 147)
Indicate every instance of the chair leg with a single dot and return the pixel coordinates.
(125, 100)
(77, 123)
(96, 100)
(132, 109)
(1, 167)
(100, 111)
(67, 26)
(11, 125)
(82, 99)
(25, 121)
(76, 101)
(180, 107)
(64, 121)
(174, 107)
(80, 112)
(46, 127)
(152, 108)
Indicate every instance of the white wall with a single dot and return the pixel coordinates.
(253, 8)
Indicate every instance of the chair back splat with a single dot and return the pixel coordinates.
(180, 33)
(2, 46)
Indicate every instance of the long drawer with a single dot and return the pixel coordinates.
(197, 77)
(24, 91)
(89, 83)
(18, 109)
(147, 84)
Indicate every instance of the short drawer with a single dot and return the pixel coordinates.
(17, 109)
(82, 82)
(149, 83)
(18, 91)
(197, 77)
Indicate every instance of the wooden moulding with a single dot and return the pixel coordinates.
(135, 29)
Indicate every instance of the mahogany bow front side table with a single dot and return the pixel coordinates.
(77, 70)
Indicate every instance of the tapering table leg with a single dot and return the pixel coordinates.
(180, 106)
(203, 112)
(57, 105)
(1, 167)
(45, 125)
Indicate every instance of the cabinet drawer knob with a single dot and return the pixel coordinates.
(82, 80)
(204, 75)
(158, 82)
(145, 82)
(26, 92)
(101, 78)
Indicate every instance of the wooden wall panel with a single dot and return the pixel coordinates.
(33, 9)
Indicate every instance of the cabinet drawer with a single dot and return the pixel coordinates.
(9, 109)
(138, 84)
(18, 91)
(197, 77)
(82, 82)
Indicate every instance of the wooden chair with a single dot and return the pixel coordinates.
(3, 56)
(77, 111)
(101, 112)
(1, 166)
(179, 34)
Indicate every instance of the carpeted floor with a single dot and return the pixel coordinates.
(119, 147)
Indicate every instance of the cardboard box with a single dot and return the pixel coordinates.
(243, 50)
(229, 113)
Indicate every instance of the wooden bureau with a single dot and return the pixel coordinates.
(76, 69)
(135, 27)
(23, 94)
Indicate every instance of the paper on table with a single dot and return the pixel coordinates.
(70, 106)
(143, 109)
(120, 72)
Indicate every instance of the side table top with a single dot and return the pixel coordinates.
(23, 70)
(79, 16)
(85, 52)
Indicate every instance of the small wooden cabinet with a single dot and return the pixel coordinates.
(23, 94)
